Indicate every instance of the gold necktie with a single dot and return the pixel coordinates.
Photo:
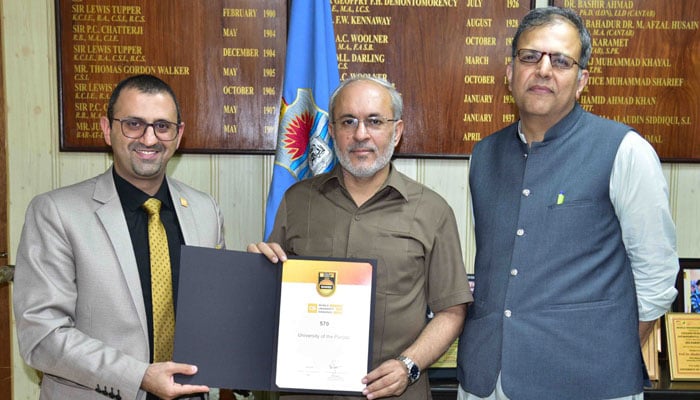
(161, 284)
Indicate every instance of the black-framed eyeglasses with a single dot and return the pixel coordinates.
(370, 123)
(134, 128)
(558, 60)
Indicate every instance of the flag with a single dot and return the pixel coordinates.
(304, 145)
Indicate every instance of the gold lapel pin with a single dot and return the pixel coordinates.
(183, 202)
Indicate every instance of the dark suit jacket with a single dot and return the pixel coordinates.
(77, 296)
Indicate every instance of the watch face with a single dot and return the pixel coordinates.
(415, 373)
(413, 370)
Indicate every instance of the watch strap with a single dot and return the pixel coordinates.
(411, 367)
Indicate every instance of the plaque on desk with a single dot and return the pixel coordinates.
(683, 336)
(650, 352)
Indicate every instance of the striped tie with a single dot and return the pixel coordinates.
(161, 284)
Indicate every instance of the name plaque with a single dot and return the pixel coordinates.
(644, 71)
(683, 337)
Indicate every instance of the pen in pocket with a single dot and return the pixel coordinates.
(560, 198)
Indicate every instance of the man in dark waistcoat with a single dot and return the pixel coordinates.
(576, 249)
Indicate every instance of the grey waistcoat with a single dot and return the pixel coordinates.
(555, 308)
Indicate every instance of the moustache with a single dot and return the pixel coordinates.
(136, 146)
(363, 146)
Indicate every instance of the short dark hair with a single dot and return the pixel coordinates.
(548, 15)
(145, 84)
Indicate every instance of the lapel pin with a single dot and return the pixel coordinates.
(183, 202)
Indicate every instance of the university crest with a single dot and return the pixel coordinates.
(326, 283)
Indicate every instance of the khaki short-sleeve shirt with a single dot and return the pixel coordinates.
(409, 229)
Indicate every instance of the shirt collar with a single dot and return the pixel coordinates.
(132, 198)
(395, 180)
(561, 128)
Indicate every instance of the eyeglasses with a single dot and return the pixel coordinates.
(371, 123)
(558, 60)
(134, 128)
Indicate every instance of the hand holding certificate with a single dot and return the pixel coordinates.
(249, 324)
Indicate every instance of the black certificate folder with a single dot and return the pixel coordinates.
(301, 326)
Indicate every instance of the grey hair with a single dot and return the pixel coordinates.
(396, 99)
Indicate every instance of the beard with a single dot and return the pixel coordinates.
(362, 170)
(147, 168)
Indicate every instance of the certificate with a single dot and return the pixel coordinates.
(324, 325)
(305, 325)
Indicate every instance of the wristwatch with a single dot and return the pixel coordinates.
(413, 370)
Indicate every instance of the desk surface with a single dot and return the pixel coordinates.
(664, 388)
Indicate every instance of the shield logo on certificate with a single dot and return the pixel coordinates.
(326, 283)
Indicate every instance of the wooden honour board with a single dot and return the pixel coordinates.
(645, 69)
(225, 60)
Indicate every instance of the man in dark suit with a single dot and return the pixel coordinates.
(82, 289)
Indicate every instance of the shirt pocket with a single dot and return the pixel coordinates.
(317, 247)
(401, 262)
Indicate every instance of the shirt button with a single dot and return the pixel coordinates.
(520, 232)
(507, 313)
(526, 192)
(514, 272)
(357, 217)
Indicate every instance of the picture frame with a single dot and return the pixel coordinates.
(686, 284)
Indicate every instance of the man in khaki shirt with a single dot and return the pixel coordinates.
(365, 208)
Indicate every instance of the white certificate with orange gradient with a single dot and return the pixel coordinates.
(325, 321)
